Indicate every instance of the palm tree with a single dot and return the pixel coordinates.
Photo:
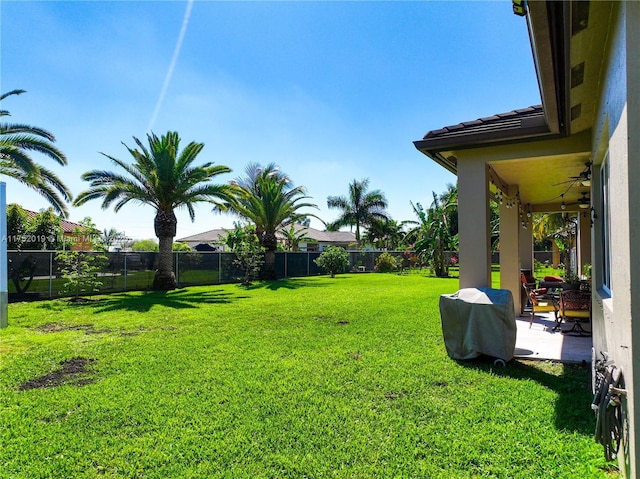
(556, 226)
(360, 208)
(385, 234)
(16, 143)
(293, 236)
(163, 179)
(269, 201)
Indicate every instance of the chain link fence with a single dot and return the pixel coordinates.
(37, 274)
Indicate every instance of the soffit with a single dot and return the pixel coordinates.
(588, 47)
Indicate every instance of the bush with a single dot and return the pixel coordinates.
(333, 260)
(386, 263)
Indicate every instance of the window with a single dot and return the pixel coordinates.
(606, 224)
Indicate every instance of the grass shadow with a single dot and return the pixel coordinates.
(573, 406)
(177, 299)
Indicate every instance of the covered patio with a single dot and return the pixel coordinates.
(541, 343)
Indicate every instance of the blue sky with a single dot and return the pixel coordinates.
(329, 91)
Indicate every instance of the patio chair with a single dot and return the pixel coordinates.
(541, 303)
(575, 306)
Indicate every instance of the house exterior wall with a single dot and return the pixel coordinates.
(616, 140)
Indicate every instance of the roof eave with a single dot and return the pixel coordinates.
(549, 32)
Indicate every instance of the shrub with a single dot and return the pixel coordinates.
(385, 263)
(333, 260)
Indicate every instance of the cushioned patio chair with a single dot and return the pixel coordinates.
(541, 304)
(575, 306)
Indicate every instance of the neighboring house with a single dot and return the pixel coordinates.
(586, 132)
(316, 240)
(212, 240)
(79, 237)
(313, 239)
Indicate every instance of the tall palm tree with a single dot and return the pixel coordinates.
(164, 179)
(360, 208)
(269, 201)
(17, 141)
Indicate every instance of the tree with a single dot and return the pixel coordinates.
(44, 231)
(164, 179)
(385, 234)
(145, 245)
(560, 228)
(359, 209)
(333, 260)
(268, 199)
(181, 247)
(17, 226)
(293, 237)
(432, 235)
(109, 237)
(249, 253)
(80, 270)
(17, 141)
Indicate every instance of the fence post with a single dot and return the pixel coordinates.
(124, 284)
(219, 266)
(177, 270)
(308, 256)
(4, 260)
(50, 275)
(286, 261)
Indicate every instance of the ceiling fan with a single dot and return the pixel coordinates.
(583, 178)
(583, 203)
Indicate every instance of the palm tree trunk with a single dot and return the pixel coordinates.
(270, 243)
(165, 228)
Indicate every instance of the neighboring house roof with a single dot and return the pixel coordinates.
(211, 236)
(326, 236)
(67, 226)
(216, 236)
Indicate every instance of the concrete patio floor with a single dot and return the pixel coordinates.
(540, 343)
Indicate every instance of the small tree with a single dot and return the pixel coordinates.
(333, 260)
(80, 270)
(249, 253)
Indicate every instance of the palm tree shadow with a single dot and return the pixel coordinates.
(573, 405)
(176, 299)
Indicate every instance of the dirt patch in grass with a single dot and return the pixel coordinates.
(71, 371)
(56, 327)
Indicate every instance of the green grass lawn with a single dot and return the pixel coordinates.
(310, 377)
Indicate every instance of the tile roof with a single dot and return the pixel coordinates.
(67, 226)
(216, 236)
(520, 123)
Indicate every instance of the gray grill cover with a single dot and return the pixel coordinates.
(479, 321)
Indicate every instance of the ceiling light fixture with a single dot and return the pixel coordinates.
(519, 7)
(584, 202)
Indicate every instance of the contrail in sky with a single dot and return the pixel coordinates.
(172, 66)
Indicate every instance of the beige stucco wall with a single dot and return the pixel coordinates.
(619, 116)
